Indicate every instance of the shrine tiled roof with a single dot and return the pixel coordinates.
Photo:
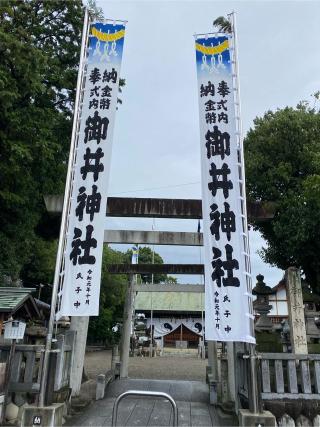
(13, 298)
(169, 301)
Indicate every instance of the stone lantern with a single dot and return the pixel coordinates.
(261, 304)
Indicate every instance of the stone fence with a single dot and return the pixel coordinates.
(26, 369)
(290, 376)
(25, 375)
(290, 387)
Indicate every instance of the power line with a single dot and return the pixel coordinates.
(156, 188)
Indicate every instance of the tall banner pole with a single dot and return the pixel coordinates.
(66, 208)
(76, 287)
(237, 104)
(255, 401)
(228, 298)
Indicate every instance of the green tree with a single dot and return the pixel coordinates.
(94, 10)
(147, 256)
(39, 270)
(223, 24)
(39, 46)
(282, 153)
(112, 296)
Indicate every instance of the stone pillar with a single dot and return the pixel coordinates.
(296, 311)
(80, 326)
(101, 386)
(115, 359)
(231, 371)
(126, 329)
(213, 373)
(213, 359)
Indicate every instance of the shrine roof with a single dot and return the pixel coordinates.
(12, 299)
(170, 301)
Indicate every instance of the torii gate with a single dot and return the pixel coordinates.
(149, 208)
(238, 171)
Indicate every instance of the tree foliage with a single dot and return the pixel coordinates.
(282, 154)
(113, 292)
(223, 24)
(39, 46)
(146, 256)
(95, 11)
(112, 295)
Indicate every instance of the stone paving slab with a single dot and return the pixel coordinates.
(126, 408)
(141, 413)
(184, 414)
(145, 412)
(202, 420)
(161, 414)
(191, 397)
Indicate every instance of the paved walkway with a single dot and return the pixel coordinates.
(191, 398)
(179, 374)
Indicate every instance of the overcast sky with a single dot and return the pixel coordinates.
(156, 151)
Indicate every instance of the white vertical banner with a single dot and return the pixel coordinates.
(135, 255)
(228, 316)
(80, 275)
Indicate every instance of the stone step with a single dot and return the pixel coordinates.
(78, 405)
(189, 391)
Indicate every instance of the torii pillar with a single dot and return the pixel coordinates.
(80, 326)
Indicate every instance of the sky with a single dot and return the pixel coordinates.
(156, 144)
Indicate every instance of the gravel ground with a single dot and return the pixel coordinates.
(97, 362)
(175, 366)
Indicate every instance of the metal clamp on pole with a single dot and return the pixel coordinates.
(148, 394)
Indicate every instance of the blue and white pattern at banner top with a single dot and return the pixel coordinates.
(227, 301)
(79, 290)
